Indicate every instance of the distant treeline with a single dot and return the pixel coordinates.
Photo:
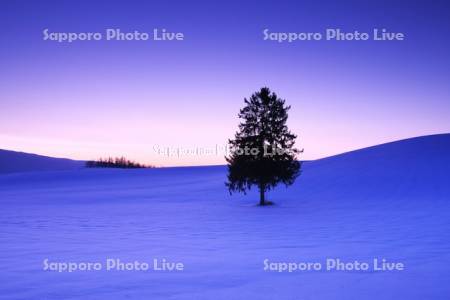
(116, 162)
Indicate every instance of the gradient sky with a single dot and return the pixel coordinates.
(86, 100)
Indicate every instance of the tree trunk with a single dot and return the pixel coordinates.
(261, 195)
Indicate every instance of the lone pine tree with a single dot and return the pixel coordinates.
(263, 152)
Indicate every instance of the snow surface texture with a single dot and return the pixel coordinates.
(390, 201)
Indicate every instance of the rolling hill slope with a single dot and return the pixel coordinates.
(12, 161)
(390, 201)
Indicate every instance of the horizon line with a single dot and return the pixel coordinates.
(217, 165)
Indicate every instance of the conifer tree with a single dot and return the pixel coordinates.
(262, 151)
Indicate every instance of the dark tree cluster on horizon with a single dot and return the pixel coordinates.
(117, 162)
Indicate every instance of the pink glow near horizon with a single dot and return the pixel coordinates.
(106, 123)
(85, 106)
(91, 99)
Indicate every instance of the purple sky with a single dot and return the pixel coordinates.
(93, 99)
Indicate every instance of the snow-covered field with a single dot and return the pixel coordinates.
(390, 201)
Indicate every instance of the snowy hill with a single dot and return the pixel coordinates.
(390, 201)
(408, 168)
(12, 161)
